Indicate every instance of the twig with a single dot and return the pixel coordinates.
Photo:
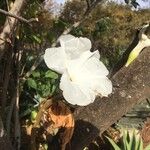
(36, 63)
(22, 70)
(88, 4)
(7, 3)
(10, 26)
(16, 111)
(93, 5)
(18, 17)
(17, 122)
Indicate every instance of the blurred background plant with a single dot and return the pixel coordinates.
(130, 140)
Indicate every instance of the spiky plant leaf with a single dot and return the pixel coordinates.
(126, 139)
(115, 146)
(140, 145)
(133, 140)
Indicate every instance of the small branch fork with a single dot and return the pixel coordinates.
(18, 17)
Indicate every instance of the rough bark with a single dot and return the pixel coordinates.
(5, 143)
(131, 86)
(7, 34)
(6, 43)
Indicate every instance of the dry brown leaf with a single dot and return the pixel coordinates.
(62, 117)
(145, 133)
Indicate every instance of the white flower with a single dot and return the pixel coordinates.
(83, 75)
(71, 48)
(85, 78)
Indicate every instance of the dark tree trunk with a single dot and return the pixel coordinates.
(131, 86)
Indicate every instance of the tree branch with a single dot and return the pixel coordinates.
(10, 26)
(18, 17)
(133, 87)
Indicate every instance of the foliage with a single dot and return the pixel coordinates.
(112, 28)
(131, 140)
(73, 11)
(42, 84)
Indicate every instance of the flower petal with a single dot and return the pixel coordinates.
(94, 65)
(94, 72)
(96, 54)
(74, 46)
(55, 59)
(87, 65)
(102, 86)
(88, 70)
(76, 94)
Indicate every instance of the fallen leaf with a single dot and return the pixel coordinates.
(145, 133)
(62, 117)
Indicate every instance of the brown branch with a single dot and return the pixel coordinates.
(18, 17)
(93, 5)
(88, 4)
(133, 87)
(10, 26)
(34, 66)
(17, 133)
(16, 118)
(85, 16)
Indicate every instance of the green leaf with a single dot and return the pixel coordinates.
(45, 146)
(31, 83)
(53, 89)
(36, 38)
(137, 140)
(115, 146)
(51, 74)
(132, 140)
(29, 58)
(44, 90)
(127, 142)
(36, 74)
(33, 115)
(124, 140)
(141, 145)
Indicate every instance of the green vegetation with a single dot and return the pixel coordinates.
(131, 140)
